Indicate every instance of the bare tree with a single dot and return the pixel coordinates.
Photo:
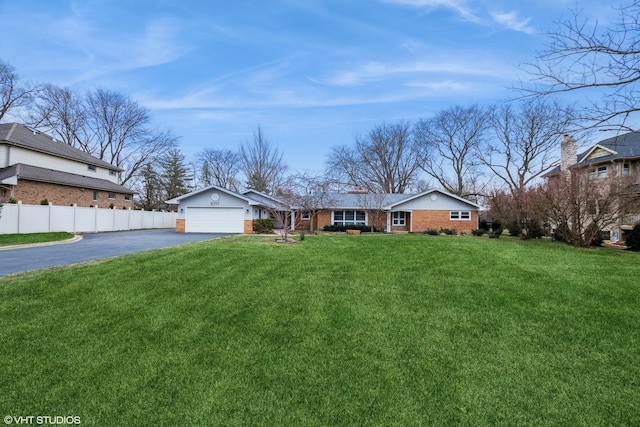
(374, 204)
(121, 132)
(521, 147)
(449, 141)
(386, 160)
(343, 168)
(581, 207)
(61, 112)
(308, 194)
(582, 56)
(262, 163)
(13, 96)
(105, 124)
(220, 167)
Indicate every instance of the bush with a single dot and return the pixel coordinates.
(479, 232)
(449, 231)
(562, 233)
(431, 231)
(514, 229)
(483, 225)
(263, 226)
(44, 202)
(343, 228)
(633, 238)
(496, 233)
(594, 230)
(534, 230)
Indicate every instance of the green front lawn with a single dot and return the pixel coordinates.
(30, 238)
(335, 330)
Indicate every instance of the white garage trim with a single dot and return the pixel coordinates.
(214, 220)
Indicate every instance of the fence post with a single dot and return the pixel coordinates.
(19, 214)
(50, 214)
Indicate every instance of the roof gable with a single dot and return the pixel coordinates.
(177, 200)
(21, 136)
(596, 152)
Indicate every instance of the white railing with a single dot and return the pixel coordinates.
(21, 219)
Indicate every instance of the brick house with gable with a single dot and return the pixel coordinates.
(35, 167)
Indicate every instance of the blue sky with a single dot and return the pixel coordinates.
(312, 73)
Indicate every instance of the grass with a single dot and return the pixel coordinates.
(24, 239)
(335, 330)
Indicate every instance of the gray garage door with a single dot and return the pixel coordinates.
(214, 220)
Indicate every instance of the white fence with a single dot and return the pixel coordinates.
(19, 218)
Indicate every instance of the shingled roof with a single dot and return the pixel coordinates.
(625, 147)
(21, 136)
(34, 173)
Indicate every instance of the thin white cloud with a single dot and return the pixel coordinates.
(379, 71)
(459, 6)
(513, 22)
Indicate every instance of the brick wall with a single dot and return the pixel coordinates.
(424, 220)
(323, 218)
(180, 227)
(33, 192)
(248, 226)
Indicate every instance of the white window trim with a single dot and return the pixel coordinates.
(305, 216)
(355, 222)
(458, 215)
(400, 220)
(92, 168)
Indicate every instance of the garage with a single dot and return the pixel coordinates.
(214, 220)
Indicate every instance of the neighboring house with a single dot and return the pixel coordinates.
(214, 209)
(618, 156)
(35, 167)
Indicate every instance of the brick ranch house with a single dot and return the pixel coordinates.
(214, 209)
(35, 167)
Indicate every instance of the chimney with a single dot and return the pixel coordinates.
(568, 154)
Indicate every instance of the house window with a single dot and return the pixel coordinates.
(399, 218)
(460, 215)
(626, 169)
(95, 195)
(349, 218)
(602, 172)
(92, 168)
(127, 197)
(306, 216)
(112, 196)
(599, 172)
(112, 172)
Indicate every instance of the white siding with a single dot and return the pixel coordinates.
(21, 155)
(442, 202)
(4, 156)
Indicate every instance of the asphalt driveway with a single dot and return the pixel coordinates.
(92, 247)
